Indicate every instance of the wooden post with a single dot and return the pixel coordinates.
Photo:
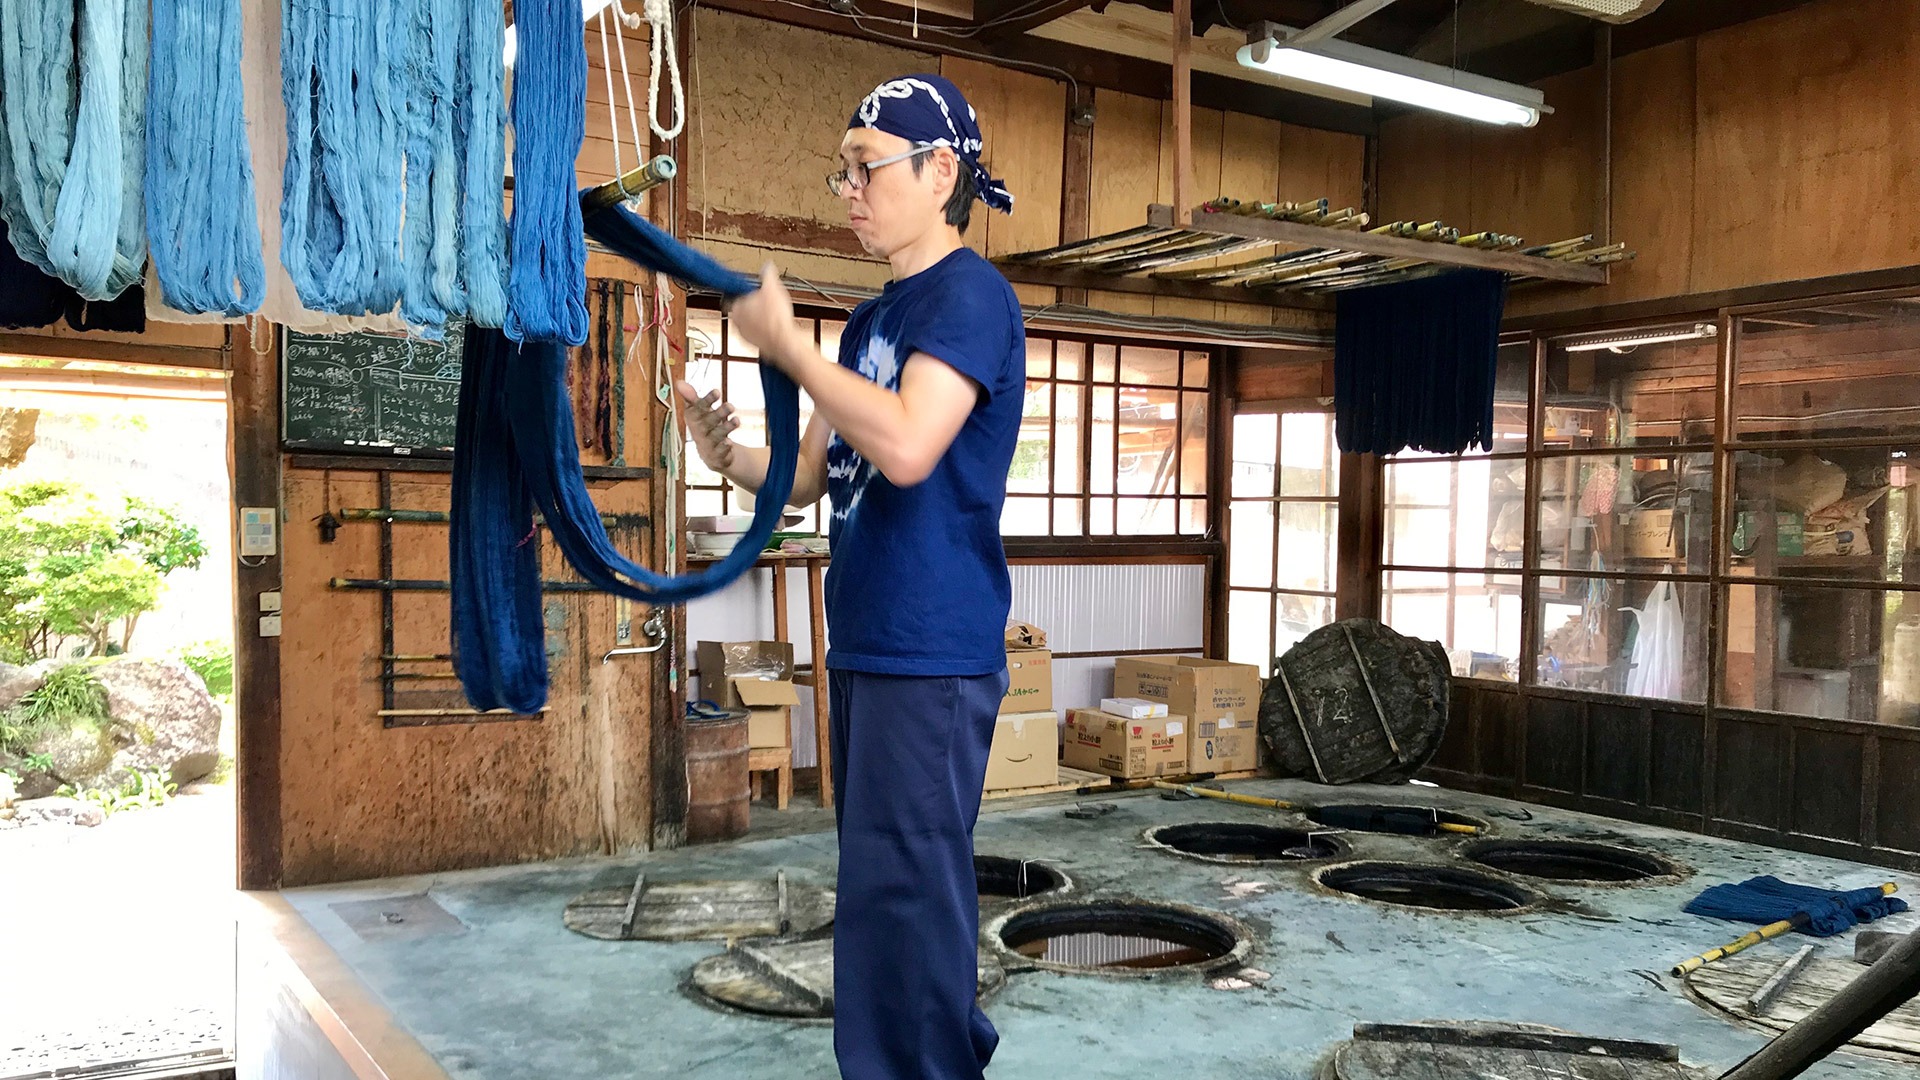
(1076, 189)
(1183, 193)
(253, 443)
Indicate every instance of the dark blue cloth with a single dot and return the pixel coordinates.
(929, 110)
(909, 761)
(1413, 364)
(1767, 899)
(515, 449)
(918, 584)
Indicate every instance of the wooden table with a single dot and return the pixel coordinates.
(816, 677)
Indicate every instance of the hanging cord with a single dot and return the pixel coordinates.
(660, 16)
(203, 234)
(73, 104)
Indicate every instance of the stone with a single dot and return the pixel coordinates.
(163, 720)
(7, 792)
(56, 810)
(18, 682)
(78, 753)
(1870, 945)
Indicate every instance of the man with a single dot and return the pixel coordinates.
(912, 434)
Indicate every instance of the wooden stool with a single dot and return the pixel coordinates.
(776, 759)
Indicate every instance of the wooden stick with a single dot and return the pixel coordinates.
(1769, 990)
(1183, 104)
(632, 911)
(1872, 994)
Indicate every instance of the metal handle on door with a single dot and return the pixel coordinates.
(655, 628)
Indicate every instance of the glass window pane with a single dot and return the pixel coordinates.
(1193, 517)
(1024, 516)
(1100, 517)
(1105, 362)
(1196, 364)
(1309, 465)
(1069, 412)
(1842, 370)
(1066, 517)
(830, 330)
(1039, 358)
(1307, 550)
(1641, 638)
(1476, 617)
(1643, 512)
(1146, 462)
(1845, 654)
(1512, 397)
(1146, 517)
(1154, 367)
(1250, 544)
(1295, 617)
(704, 502)
(1442, 512)
(1028, 472)
(1654, 394)
(1100, 475)
(1193, 444)
(1833, 513)
(1250, 628)
(1256, 438)
(703, 332)
(1070, 358)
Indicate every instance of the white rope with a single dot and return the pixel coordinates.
(660, 15)
(613, 113)
(626, 80)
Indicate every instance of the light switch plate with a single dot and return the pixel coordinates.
(270, 602)
(269, 626)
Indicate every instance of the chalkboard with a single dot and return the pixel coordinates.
(371, 393)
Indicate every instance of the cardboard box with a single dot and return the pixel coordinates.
(757, 676)
(1133, 708)
(1029, 681)
(1129, 749)
(1220, 700)
(1026, 751)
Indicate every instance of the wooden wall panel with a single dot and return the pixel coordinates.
(1678, 764)
(1126, 171)
(1023, 122)
(1616, 756)
(1750, 755)
(1897, 811)
(1653, 179)
(1828, 777)
(1554, 750)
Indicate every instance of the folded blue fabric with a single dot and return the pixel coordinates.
(1767, 899)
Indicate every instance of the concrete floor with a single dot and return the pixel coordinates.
(515, 994)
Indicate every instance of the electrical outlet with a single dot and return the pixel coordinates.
(270, 602)
(259, 531)
(269, 626)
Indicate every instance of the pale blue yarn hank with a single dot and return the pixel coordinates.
(202, 227)
(547, 282)
(71, 160)
(480, 128)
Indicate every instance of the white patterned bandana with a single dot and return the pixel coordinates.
(930, 110)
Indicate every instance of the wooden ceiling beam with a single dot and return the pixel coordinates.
(999, 21)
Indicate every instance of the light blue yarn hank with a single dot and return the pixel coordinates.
(72, 138)
(202, 227)
(547, 281)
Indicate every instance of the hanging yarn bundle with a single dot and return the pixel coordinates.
(204, 237)
(546, 293)
(515, 449)
(71, 163)
(395, 158)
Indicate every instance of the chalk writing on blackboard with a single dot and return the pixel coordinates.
(374, 393)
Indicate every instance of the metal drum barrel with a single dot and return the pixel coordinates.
(717, 788)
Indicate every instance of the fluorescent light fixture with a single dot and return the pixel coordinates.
(1696, 332)
(1382, 74)
(588, 9)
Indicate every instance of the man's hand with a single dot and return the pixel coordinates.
(766, 319)
(710, 421)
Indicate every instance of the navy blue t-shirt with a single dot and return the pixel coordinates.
(918, 583)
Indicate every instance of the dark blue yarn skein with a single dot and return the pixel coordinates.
(515, 449)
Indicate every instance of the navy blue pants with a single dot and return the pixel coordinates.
(909, 760)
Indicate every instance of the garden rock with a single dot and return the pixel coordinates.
(55, 811)
(18, 682)
(7, 793)
(163, 720)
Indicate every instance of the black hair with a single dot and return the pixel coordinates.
(960, 203)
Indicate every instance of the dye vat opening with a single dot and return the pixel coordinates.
(1015, 879)
(1122, 939)
(1384, 818)
(1568, 860)
(1237, 842)
(1415, 885)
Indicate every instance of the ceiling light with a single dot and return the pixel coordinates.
(1382, 74)
(588, 9)
(1696, 332)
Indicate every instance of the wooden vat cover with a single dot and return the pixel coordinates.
(1729, 985)
(790, 978)
(1356, 701)
(701, 910)
(1510, 1051)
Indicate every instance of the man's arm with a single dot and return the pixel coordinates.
(903, 434)
(710, 422)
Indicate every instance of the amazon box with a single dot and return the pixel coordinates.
(1029, 682)
(756, 676)
(1127, 748)
(1026, 751)
(1220, 700)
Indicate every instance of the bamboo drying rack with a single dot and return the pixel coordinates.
(1326, 251)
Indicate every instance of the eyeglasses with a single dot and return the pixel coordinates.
(855, 177)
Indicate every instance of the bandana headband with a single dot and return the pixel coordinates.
(930, 110)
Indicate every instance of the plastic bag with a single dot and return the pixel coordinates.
(1808, 484)
(1657, 646)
